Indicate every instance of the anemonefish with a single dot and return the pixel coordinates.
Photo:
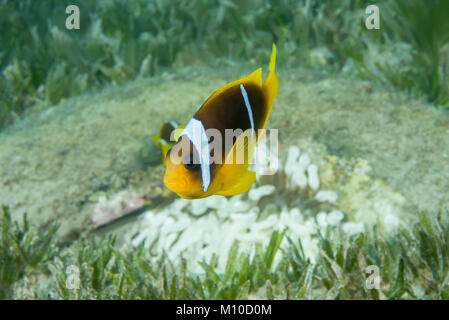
(242, 104)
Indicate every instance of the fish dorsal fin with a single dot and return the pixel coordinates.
(270, 86)
(255, 78)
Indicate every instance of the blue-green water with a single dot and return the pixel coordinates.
(363, 130)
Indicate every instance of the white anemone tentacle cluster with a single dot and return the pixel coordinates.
(197, 229)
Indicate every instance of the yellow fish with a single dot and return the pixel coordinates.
(194, 168)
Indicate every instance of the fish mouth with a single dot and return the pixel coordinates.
(175, 184)
(182, 188)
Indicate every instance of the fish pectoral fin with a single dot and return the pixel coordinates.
(243, 149)
(234, 174)
(243, 183)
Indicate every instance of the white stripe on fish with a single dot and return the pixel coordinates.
(248, 106)
(197, 134)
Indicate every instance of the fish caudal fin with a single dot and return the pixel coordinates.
(270, 86)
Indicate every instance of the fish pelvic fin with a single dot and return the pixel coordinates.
(270, 86)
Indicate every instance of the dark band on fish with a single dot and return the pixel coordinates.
(228, 110)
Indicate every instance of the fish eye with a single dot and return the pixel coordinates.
(190, 164)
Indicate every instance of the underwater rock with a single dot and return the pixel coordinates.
(107, 210)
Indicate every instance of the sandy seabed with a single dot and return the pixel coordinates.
(383, 153)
